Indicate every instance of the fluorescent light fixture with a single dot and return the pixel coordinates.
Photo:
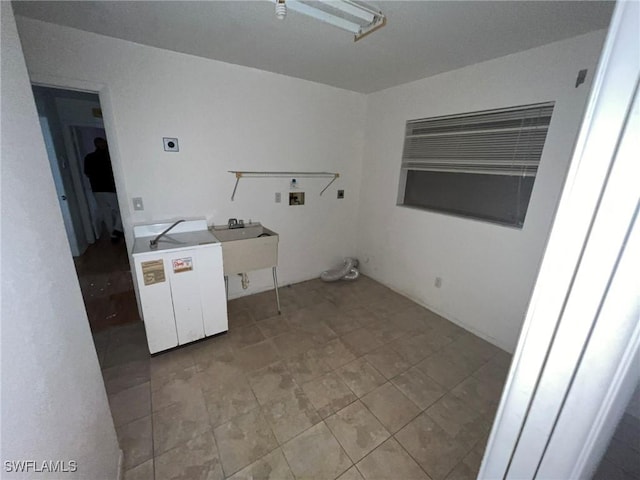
(349, 15)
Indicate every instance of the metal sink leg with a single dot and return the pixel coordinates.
(275, 286)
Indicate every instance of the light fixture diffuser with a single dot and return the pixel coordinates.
(355, 17)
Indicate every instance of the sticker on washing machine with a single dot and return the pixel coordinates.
(153, 272)
(182, 264)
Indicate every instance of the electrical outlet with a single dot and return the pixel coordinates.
(438, 282)
(278, 197)
(137, 203)
(170, 144)
(340, 193)
(296, 198)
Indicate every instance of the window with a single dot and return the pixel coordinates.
(480, 165)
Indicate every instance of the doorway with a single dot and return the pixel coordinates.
(71, 121)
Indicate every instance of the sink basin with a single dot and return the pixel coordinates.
(244, 249)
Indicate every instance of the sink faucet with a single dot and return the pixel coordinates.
(153, 244)
(235, 223)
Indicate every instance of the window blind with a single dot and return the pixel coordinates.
(495, 142)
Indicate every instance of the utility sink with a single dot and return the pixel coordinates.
(252, 247)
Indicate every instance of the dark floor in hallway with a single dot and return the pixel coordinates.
(106, 284)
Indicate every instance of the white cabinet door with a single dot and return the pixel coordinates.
(184, 267)
(152, 273)
(212, 290)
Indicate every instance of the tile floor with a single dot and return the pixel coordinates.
(352, 381)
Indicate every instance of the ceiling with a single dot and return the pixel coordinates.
(421, 38)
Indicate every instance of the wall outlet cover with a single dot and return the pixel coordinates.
(137, 203)
(170, 144)
(278, 197)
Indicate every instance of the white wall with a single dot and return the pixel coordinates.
(226, 117)
(54, 405)
(487, 270)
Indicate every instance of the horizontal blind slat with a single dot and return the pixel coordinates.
(508, 141)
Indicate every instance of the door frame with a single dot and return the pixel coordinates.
(104, 95)
(573, 370)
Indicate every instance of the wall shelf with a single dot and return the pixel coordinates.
(240, 174)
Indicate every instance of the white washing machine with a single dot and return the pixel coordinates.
(179, 283)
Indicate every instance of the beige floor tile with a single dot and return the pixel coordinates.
(335, 353)
(351, 474)
(257, 356)
(390, 406)
(274, 326)
(293, 343)
(412, 348)
(227, 400)
(263, 305)
(328, 394)
(126, 375)
(495, 370)
(173, 361)
(219, 347)
(290, 415)
(419, 387)
(443, 327)
(482, 396)
(224, 369)
(363, 315)
(244, 440)
(464, 424)
(475, 347)
(136, 441)
(387, 361)
(239, 318)
(469, 467)
(130, 404)
(307, 366)
(179, 423)
(385, 330)
(390, 461)
(361, 341)
(316, 454)
(434, 450)
(357, 430)
(445, 368)
(360, 376)
(312, 325)
(308, 298)
(245, 336)
(399, 357)
(144, 471)
(195, 460)
(272, 382)
(272, 466)
(345, 321)
(174, 388)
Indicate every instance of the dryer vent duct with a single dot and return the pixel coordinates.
(348, 271)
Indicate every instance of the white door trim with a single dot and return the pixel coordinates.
(595, 213)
